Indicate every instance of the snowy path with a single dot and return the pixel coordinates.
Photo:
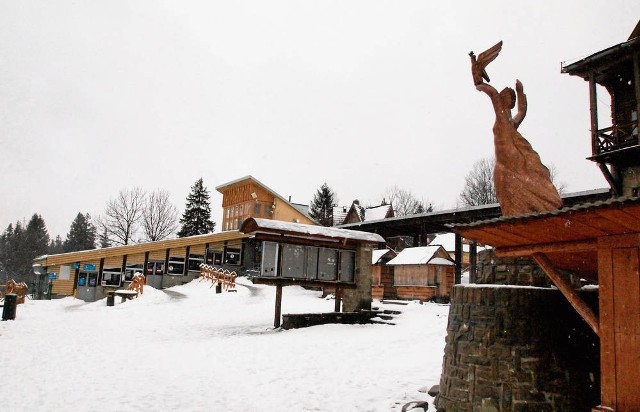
(213, 352)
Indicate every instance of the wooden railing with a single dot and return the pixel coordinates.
(615, 137)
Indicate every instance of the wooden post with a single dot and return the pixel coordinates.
(338, 299)
(593, 106)
(473, 258)
(276, 321)
(567, 290)
(458, 259)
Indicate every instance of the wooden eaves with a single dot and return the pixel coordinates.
(564, 239)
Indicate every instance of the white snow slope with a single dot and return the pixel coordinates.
(195, 350)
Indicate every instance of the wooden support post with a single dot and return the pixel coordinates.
(338, 299)
(567, 290)
(593, 107)
(276, 321)
(473, 264)
(458, 259)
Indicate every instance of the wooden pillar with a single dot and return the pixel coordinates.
(144, 265)
(185, 268)
(100, 269)
(276, 321)
(636, 75)
(166, 261)
(593, 107)
(473, 262)
(338, 299)
(458, 259)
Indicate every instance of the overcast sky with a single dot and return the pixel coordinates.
(98, 96)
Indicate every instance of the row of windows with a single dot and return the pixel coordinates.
(114, 277)
(235, 215)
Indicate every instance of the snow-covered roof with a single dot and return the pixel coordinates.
(377, 254)
(252, 225)
(417, 256)
(339, 213)
(448, 242)
(376, 213)
(440, 261)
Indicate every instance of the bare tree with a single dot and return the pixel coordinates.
(404, 202)
(478, 187)
(159, 216)
(561, 187)
(122, 215)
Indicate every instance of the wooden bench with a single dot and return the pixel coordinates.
(125, 294)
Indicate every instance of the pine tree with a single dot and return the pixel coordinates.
(56, 246)
(82, 234)
(321, 208)
(196, 219)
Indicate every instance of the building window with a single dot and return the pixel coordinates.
(256, 209)
(232, 256)
(110, 277)
(132, 270)
(195, 261)
(176, 266)
(155, 268)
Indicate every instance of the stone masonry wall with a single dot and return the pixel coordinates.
(512, 348)
(360, 298)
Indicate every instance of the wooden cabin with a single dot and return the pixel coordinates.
(357, 213)
(382, 274)
(247, 197)
(423, 273)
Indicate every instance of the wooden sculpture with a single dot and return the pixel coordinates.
(137, 283)
(20, 289)
(523, 184)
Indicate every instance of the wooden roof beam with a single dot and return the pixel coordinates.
(562, 247)
(567, 290)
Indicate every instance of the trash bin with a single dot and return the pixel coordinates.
(110, 298)
(218, 287)
(10, 305)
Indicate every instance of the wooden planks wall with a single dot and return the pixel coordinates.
(619, 318)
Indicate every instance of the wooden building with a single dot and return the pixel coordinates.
(423, 273)
(89, 274)
(248, 197)
(615, 146)
(382, 286)
(357, 213)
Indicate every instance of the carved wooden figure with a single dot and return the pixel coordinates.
(19, 289)
(523, 184)
(137, 283)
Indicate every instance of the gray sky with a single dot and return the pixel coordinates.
(97, 96)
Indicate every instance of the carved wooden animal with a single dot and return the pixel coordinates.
(19, 289)
(479, 64)
(137, 283)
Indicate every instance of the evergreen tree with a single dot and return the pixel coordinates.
(321, 208)
(196, 219)
(19, 245)
(56, 246)
(82, 234)
(36, 240)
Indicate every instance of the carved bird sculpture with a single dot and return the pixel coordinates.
(479, 64)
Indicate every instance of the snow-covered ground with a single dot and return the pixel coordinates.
(194, 350)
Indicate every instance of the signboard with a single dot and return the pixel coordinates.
(52, 276)
(89, 266)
